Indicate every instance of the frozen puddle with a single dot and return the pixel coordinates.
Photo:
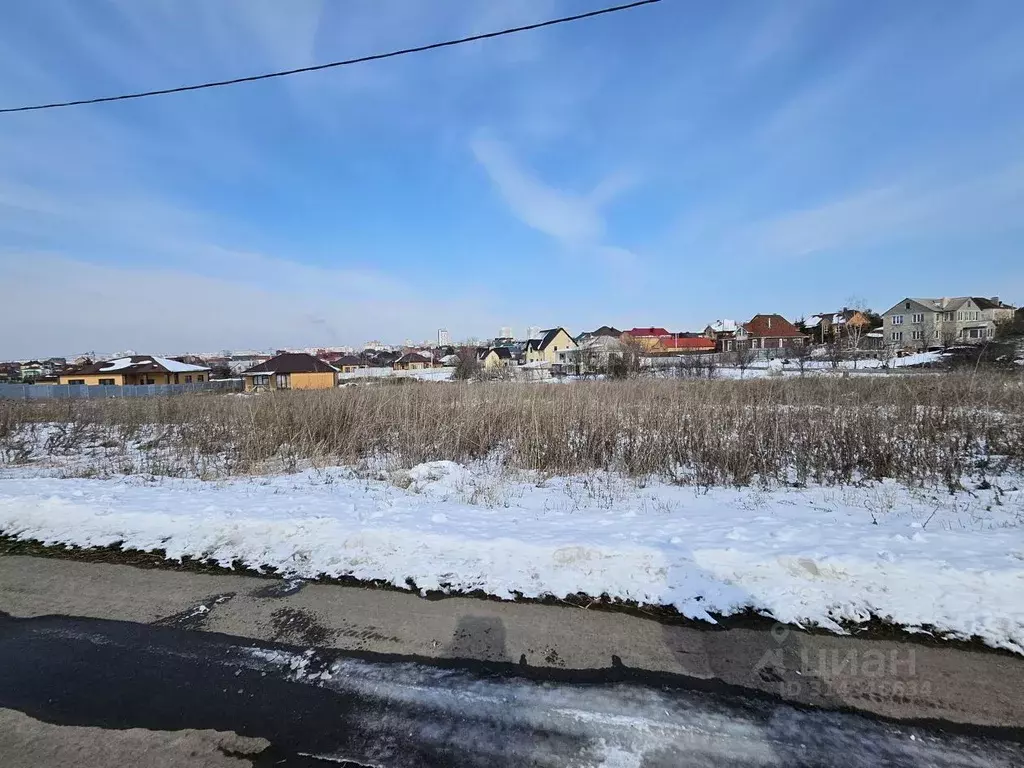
(410, 715)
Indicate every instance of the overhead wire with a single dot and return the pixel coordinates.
(333, 64)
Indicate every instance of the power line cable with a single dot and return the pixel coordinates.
(330, 65)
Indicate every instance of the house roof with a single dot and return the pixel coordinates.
(686, 342)
(546, 337)
(771, 326)
(604, 330)
(724, 326)
(993, 303)
(504, 353)
(137, 364)
(348, 360)
(291, 362)
(413, 357)
(642, 332)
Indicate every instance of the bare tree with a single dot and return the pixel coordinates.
(799, 354)
(834, 352)
(627, 361)
(743, 357)
(467, 364)
(585, 360)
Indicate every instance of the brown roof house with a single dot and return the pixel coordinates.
(136, 369)
(773, 332)
(291, 370)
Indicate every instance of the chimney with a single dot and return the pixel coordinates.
(995, 300)
(769, 321)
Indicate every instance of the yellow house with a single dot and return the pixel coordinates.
(497, 357)
(291, 370)
(136, 369)
(413, 361)
(550, 347)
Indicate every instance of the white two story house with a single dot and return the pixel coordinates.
(927, 323)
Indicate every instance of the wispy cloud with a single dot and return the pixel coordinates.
(575, 220)
(898, 211)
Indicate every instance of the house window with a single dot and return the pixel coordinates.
(260, 381)
(917, 317)
(917, 335)
(897, 319)
(77, 381)
(908, 305)
(199, 377)
(188, 379)
(897, 335)
(106, 382)
(947, 316)
(282, 381)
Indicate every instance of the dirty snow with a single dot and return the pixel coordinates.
(828, 556)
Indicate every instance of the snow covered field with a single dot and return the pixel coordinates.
(934, 561)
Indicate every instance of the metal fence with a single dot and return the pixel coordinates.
(86, 391)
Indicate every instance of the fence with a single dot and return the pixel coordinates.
(83, 391)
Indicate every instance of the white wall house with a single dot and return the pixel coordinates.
(923, 323)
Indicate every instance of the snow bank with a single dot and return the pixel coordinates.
(954, 563)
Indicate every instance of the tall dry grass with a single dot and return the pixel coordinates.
(922, 430)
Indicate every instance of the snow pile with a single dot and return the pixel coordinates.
(819, 555)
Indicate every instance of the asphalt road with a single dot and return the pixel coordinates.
(263, 704)
(111, 665)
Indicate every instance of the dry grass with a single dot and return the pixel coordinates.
(921, 430)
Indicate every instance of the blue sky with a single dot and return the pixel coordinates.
(665, 166)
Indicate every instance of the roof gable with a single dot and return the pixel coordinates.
(549, 336)
(771, 326)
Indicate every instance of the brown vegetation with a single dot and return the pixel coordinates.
(918, 429)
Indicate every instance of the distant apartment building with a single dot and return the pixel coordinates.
(444, 338)
(923, 323)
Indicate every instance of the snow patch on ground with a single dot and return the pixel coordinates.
(952, 562)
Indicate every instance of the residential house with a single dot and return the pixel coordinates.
(647, 337)
(773, 331)
(412, 361)
(845, 324)
(605, 331)
(291, 370)
(728, 335)
(10, 372)
(497, 357)
(134, 370)
(924, 323)
(551, 346)
(595, 347)
(31, 370)
(349, 363)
